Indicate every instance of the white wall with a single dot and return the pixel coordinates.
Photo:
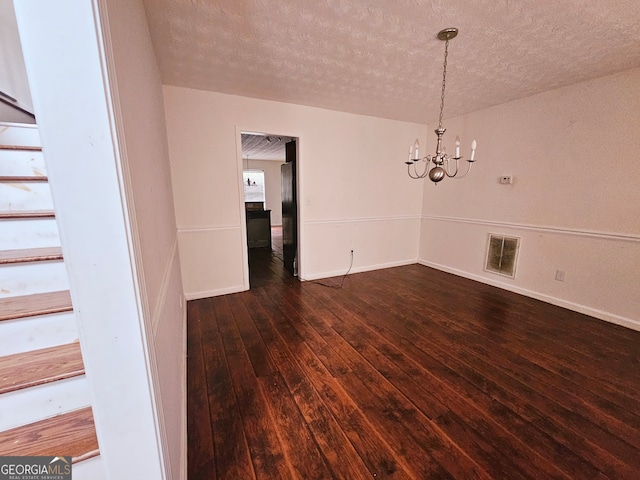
(145, 157)
(575, 200)
(13, 74)
(354, 192)
(98, 99)
(272, 190)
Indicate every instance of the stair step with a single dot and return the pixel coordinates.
(23, 148)
(29, 233)
(30, 255)
(28, 214)
(20, 163)
(23, 178)
(35, 304)
(72, 433)
(12, 133)
(34, 333)
(22, 279)
(44, 401)
(37, 367)
(25, 196)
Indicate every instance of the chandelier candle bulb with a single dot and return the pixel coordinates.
(473, 151)
(457, 146)
(416, 146)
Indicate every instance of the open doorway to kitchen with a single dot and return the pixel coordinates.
(271, 209)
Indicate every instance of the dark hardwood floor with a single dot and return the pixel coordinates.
(266, 265)
(407, 373)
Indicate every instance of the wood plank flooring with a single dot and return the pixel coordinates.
(407, 373)
(22, 306)
(72, 433)
(266, 265)
(37, 367)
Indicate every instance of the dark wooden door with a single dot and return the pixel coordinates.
(289, 209)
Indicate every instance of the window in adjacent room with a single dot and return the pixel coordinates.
(253, 186)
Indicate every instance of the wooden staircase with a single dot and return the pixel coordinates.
(45, 406)
(12, 308)
(25, 255)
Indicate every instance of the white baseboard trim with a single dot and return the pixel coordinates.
(576, 307)
(366, 268)
(214, 293)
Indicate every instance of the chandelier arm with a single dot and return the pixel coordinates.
(465, 173)
(416, 176)
(446, 169)
(415, 170)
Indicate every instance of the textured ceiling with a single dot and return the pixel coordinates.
(382, 58)
(257, 146)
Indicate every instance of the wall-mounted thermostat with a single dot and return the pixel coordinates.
(506, 180)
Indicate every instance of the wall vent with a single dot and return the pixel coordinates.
(502, 254)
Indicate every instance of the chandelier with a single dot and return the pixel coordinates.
(441, 160)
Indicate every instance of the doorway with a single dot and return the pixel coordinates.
(270, 202)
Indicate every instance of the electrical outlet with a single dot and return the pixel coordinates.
(506, 180)
(560, 275)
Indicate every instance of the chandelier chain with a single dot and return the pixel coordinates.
(444, 80)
